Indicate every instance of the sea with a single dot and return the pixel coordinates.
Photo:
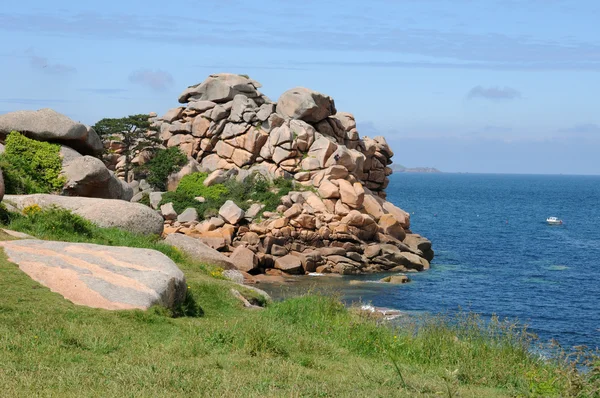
(494, 253)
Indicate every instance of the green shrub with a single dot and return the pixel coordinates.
(193, 185)
(164, 163)
(254, 189)
(182, 201)
(31, 166)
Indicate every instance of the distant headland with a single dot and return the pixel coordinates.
(398, 168)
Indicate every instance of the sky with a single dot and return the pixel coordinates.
(479, 86)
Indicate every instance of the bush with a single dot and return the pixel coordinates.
(193, 185)
(31, 166)
(182, 201)
(254, 189)
(164, 163)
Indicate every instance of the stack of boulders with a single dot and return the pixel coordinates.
(337, 221)
(85, 174)
(228, 124)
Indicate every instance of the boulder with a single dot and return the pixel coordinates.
(244, 259)
(349, 194)
(322, 149)
(372, 251)
(49, 125)
(201, 106)
(172, 115)
(392, 257)
(198, 251)
(220, 88)
(216, 177)
(305, 104)
(155, 199)
(314, 201)
(67, 154)
(88, 176)
(108, 277)
(106, 213)
(372, 206)
(395, 279)
(328, 190)
(389, 225)
(231, 212)
(189, 215)
(200, 126)
(402, 216)
(168, 211)
(289, 264)
(417, 242)
(253, 211)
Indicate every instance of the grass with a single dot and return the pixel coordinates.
(307, 346)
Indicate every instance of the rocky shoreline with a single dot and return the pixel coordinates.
(335, 220)
(339, 222)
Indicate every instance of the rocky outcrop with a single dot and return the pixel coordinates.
(107, 213)
(227, 124)
(338, 219)
(49, 125)
(112, 278)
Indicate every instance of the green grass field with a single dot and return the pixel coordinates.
(309, 346)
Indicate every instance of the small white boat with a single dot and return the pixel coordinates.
(553, 221)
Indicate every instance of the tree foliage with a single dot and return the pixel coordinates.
(135, 132)
(164, 163)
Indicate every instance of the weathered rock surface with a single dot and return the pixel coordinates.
(88, 176)
(198, 251)
(112, 278)
(231, 212)
(49, 125)
(107, 213)
(305, 104)
(244, 259)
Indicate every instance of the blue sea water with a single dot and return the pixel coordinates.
(495, 254)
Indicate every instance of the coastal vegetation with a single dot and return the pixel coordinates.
(306, 346)
(255, 188)
(164, 163)
(30, 166)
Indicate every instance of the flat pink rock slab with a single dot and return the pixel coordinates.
(113, 278)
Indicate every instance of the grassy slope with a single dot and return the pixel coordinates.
(308, 346)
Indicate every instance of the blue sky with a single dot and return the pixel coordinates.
(502, 86)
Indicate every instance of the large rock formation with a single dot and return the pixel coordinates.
(107, 213)
(228, 124)
(113, 278)
(338, 222)
(49, 125)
